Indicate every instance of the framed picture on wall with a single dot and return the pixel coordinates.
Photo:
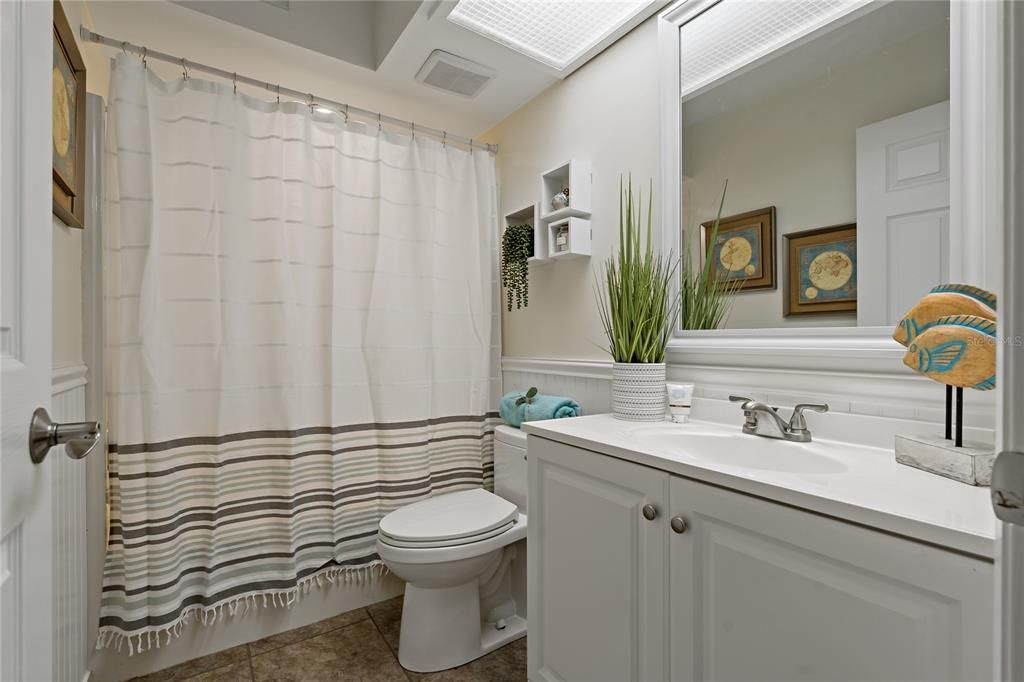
(744, 248)
(821, 271)
(68, 123)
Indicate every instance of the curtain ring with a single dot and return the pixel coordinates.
(145, 51)
(346, 114)
(380, 127)
(124, 46)
(413, 126)
(234, 83)
(184, 69)
(278, 93)
(444, 138)
(471, 145)
(311, 102)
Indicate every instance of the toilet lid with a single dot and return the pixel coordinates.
(465, 515)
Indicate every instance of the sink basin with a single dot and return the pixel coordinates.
(708, 444)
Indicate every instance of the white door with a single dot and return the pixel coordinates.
(902, 212)
(26, 231)
(596, 567)
(762, 591)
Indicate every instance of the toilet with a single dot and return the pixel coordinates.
(462, 556)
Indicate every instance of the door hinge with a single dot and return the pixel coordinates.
(1008, 487)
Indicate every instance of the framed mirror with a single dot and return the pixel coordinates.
(836, 128)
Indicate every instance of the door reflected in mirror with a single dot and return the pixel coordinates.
(835, 147)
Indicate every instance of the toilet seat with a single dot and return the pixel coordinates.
(452, 542)
(449, 520)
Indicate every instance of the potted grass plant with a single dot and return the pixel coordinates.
(638, 308)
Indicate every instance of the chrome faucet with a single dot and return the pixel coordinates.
(763, 420)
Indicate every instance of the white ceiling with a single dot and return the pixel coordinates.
(177, 29)
(517, 80)
(394, 38)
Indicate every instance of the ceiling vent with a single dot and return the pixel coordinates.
(451, 73)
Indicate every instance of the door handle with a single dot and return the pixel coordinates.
(79, 438)
(1008, 487)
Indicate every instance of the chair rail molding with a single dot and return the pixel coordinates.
(897, 393)
(69, 378)
(976, 91)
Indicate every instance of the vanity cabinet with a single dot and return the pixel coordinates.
(721, 585)
(597, 589)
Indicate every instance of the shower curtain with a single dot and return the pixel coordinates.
(301, 336)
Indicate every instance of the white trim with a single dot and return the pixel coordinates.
(839, 349)
(856, 390)
(976, 143)
(1009, 592)
(69, 378)
(587, 369)
(669, 115)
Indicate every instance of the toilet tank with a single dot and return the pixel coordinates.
(510, 465)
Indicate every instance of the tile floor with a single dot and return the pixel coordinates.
(357, 645)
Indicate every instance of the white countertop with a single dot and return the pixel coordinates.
(869, 488)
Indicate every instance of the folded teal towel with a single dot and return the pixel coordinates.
(542, 407)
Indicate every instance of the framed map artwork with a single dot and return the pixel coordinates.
(821, 271)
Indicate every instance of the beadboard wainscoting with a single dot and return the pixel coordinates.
(588, 382)
(70, 578)
(898, 394)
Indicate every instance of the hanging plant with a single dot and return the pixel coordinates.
(516, 249)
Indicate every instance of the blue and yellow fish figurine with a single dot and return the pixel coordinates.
(957, 350)
(943, 301)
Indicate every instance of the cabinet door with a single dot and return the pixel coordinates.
(597, 569)
(762, 591)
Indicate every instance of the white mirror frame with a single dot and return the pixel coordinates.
(976, 171)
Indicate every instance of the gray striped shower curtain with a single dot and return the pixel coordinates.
(301, 336)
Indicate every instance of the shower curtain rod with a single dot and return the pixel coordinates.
(307, 98)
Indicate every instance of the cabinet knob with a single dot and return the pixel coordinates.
(678, 524)
(650, 512)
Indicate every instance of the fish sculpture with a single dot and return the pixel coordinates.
(957, 350)
(943, 301)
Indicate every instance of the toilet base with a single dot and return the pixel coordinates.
(441, 628)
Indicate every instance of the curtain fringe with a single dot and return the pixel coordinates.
(149, 638)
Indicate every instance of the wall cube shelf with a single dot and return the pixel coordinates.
(574, 176)
(568, 238)
(530, 215)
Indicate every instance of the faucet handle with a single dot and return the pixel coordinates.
(750, 420)
(797, 421)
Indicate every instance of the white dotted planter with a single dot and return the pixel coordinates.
(638, 391)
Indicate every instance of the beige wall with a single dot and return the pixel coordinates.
(795, 149)
(67, 242)
(67, 295)
(605, 113)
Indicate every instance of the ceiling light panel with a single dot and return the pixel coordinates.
(736, 33)
(553, 33)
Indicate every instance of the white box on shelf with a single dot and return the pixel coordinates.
(569, 238)
(574, 176)
(530, 215)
